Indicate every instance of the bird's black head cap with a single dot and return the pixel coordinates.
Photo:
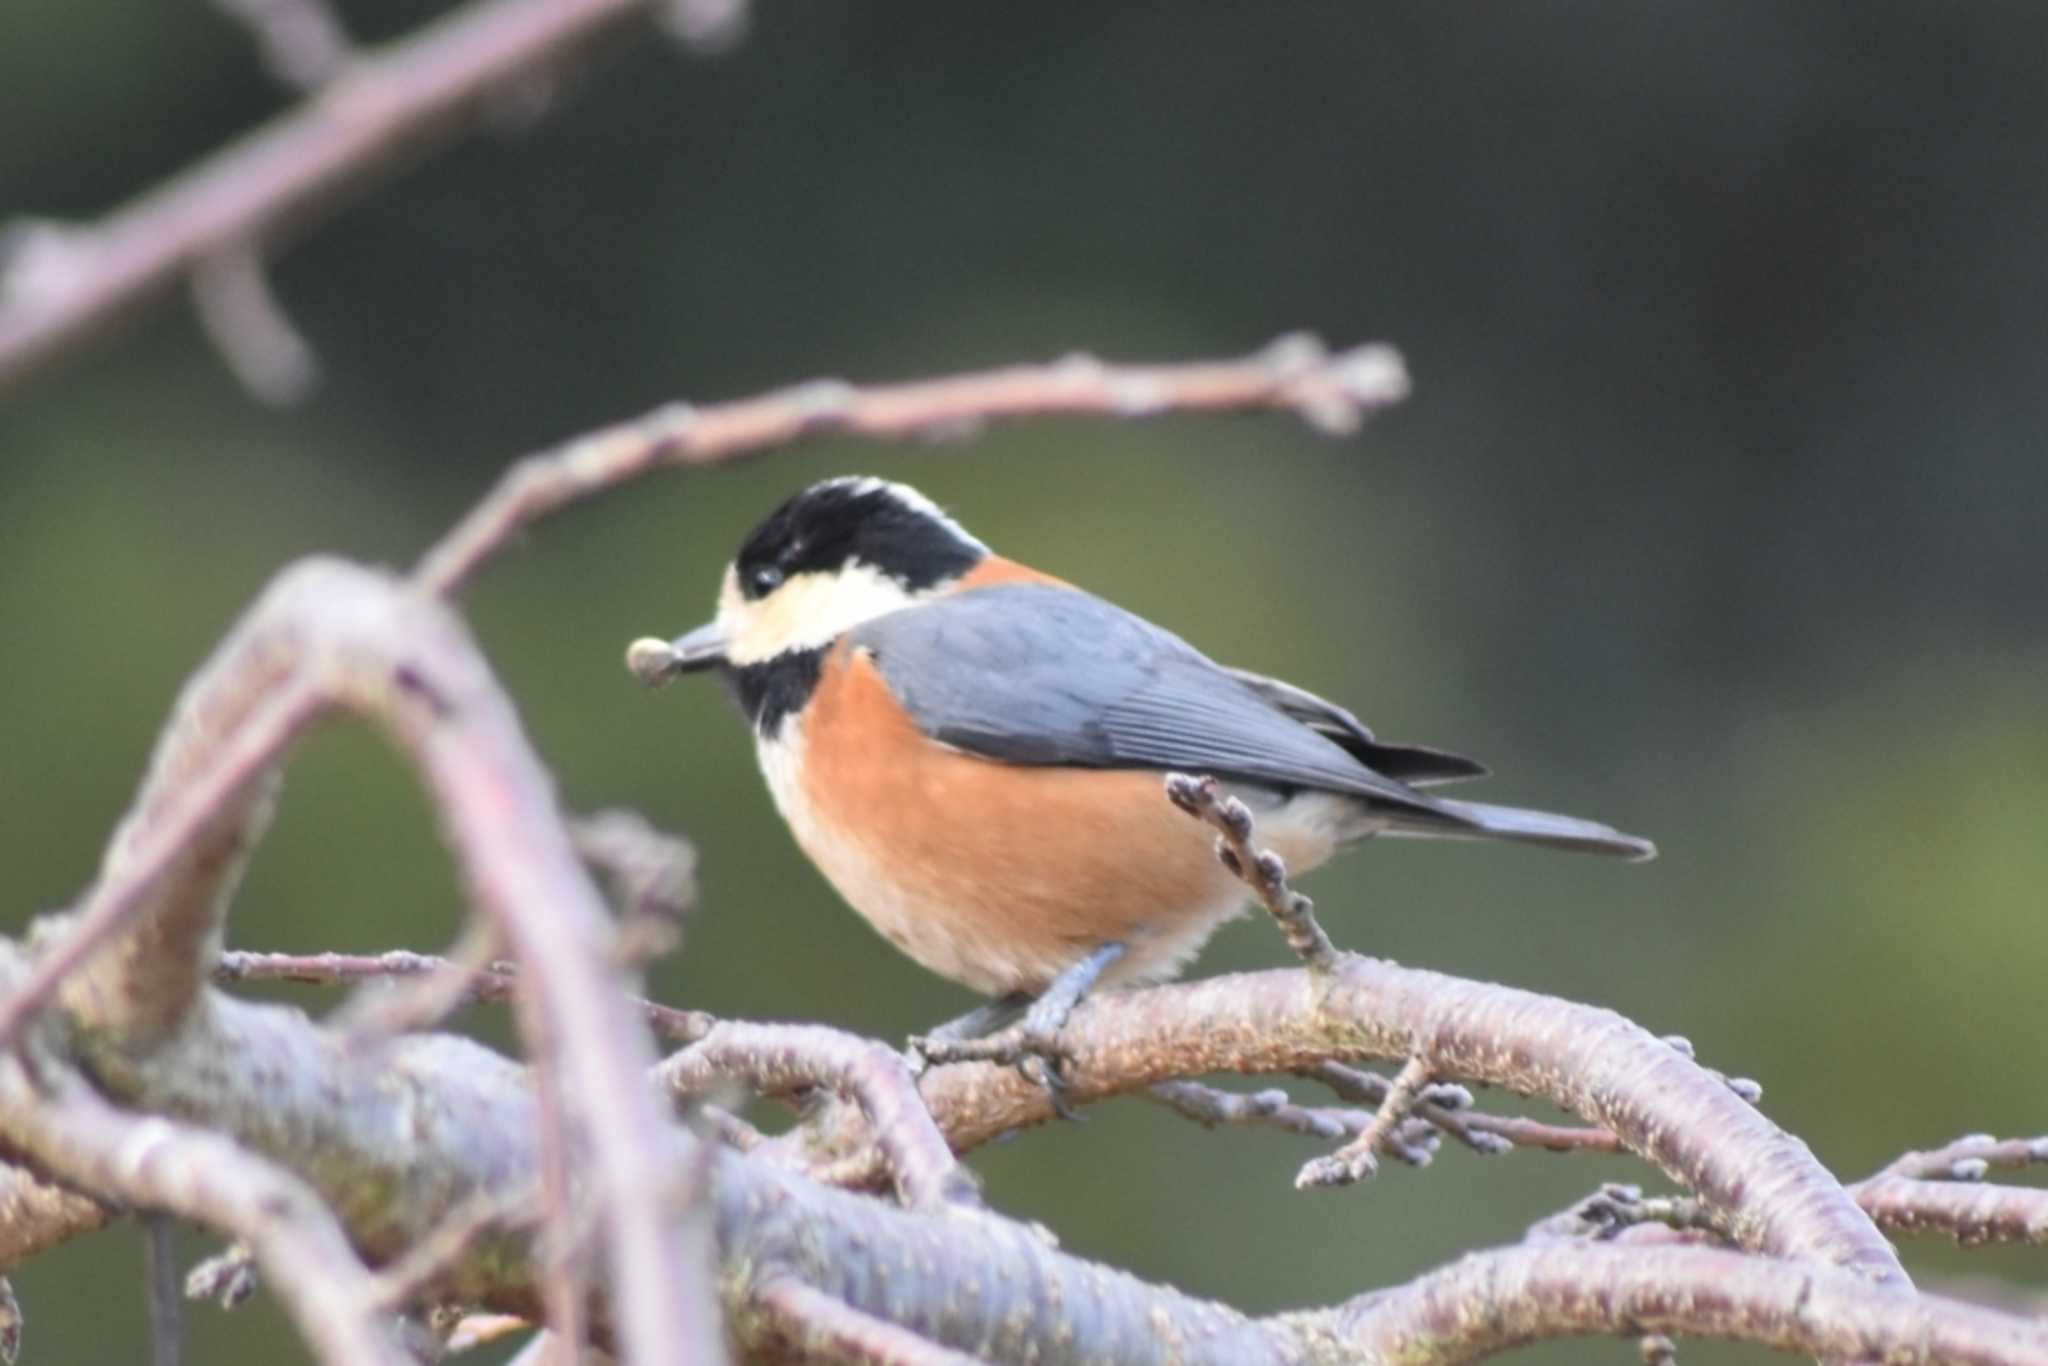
(891, 528)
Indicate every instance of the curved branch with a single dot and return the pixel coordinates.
(1589, 1061)
(1492, 1301)
(397, 1139)
(350, 639)
(1295, 374)
(776, 1059)
(155, 1164)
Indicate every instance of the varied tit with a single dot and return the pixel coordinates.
(971, 751)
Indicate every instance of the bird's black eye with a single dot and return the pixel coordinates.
(764, 580)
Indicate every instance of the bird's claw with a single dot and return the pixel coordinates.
(1029, 1046)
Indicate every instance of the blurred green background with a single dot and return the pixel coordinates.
(1718, 512)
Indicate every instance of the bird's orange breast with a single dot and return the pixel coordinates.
(995, 875)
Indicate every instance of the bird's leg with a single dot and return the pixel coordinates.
(974, 1037)
(1048, 1014)
(984, 1019)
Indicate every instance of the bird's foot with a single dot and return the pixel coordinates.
(1031, 1044)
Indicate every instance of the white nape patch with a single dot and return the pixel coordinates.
(908, 497)
(807, 611)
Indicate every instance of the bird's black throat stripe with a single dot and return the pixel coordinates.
(774, 688)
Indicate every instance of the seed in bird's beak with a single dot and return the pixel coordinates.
(653, 662)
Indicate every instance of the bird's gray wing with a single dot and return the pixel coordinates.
(1416, 764)
(1035, 674)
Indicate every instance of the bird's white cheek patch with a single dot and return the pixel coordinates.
(808, 611)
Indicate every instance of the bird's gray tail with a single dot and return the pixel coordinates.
(1449, 819)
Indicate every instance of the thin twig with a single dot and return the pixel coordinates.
(651, 874)
(242, 317)
(160, 1276)
(1969, 1158)
(1359, 1159)
(302, 41)
(1448, 1108)
(1414, 1142)
(1334, 393)
(1259, 869)
(415, 1002)
(1273, 1109)
(494, 983)
(775, 1059)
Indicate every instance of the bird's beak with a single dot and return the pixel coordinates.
(655, 662)
(699, 649)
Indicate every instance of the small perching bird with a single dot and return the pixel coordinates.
(971, 751)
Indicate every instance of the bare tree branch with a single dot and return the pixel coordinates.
(652, 876)
(1359, 1158)
(1581, 1290)
(1210, 1107)
(818, 1325)
(241, 316)
(1295, 374)
(1972, 1213)
(1969, 1158)
(497, 982)
(1448, 1108)
(161, 1290)
(302, 41)
(156, 1164)
(779, 1058)
(1591, 1062)
(1259, 869)
(36, 1215)
(64, 283)
(331, 635)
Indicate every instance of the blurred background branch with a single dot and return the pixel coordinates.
(216, 220)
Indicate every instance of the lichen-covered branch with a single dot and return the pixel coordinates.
(152, 1163)
(815, 1324)
(1972, 1213)
(36, 1215)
